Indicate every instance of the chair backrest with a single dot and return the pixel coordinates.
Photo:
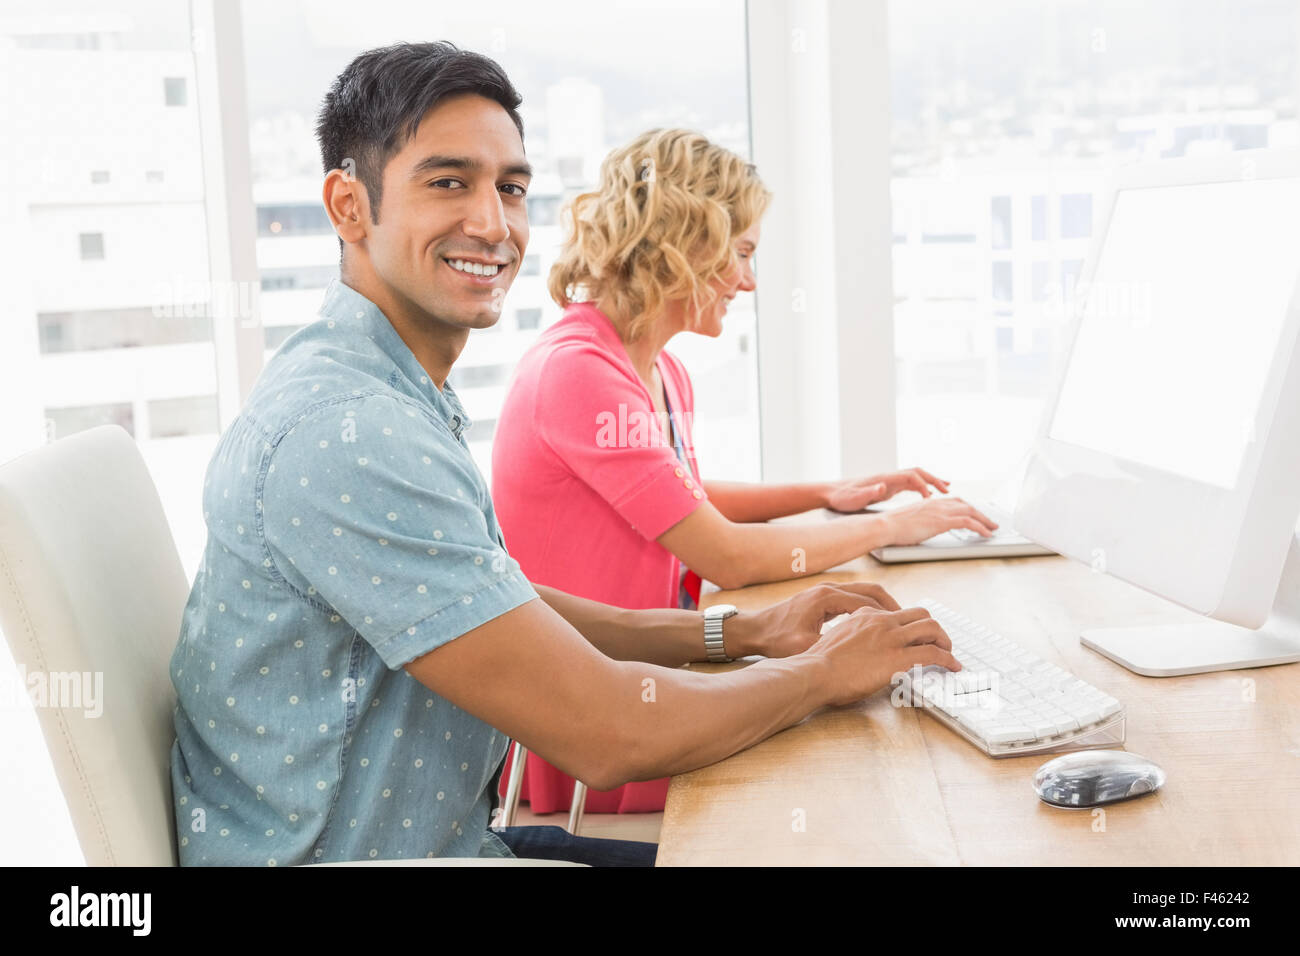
(92, 589)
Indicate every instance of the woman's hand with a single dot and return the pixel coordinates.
(856, 494)
(915, 523)
(795, 624)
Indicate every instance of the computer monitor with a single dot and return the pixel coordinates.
(1170, 456)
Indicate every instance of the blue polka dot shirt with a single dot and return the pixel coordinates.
(349, 532)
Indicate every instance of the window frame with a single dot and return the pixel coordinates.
(231, 215)
(819, 126)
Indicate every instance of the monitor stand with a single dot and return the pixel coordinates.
(1172, 650)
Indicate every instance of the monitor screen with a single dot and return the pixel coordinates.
(1180, 325)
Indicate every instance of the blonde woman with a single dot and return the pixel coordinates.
(594, 474)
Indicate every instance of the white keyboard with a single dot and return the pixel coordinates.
(1005, 700)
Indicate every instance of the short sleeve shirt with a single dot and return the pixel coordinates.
(349, 532)
(584, 473)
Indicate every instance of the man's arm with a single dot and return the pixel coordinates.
(663, 636)
(607, 722)
(671, 638)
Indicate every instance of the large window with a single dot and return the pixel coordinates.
(1005, 126)
(107, 315)
(585, 77)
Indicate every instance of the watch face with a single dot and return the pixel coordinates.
(720, 611)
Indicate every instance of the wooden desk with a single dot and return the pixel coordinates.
(874, 784)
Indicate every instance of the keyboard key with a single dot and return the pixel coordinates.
(1065, 724)
(1005, 734)
(1043, 727)
(1016, 692)
(965, 681)
(1084, 713)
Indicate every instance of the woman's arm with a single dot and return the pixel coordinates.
(738, 501)
(733, 554)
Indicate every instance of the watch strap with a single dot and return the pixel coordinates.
(713, 639)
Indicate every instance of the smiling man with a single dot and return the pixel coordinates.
(358, 646)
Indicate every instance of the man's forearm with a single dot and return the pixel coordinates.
(663, 636)
(683, 721)
(676, 720)
(530, 674)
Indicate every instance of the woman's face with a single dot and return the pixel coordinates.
(725, 288)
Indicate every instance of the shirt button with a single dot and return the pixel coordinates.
(699, 494)
(677, 472)
(688, 484)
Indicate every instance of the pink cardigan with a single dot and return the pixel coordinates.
(584, 479)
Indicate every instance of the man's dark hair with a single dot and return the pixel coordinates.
(375, 105)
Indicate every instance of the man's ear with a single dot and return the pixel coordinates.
(347, 204)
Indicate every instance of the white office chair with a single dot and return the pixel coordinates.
(91, 582)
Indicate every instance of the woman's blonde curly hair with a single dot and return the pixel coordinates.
(658, 227)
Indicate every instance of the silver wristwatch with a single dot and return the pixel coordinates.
(713, 618)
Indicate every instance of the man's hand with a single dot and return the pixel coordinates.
(863, 653)
(795, 624)
(858, 493)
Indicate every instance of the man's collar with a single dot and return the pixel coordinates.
(350, 309)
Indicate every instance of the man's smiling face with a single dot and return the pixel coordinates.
(453, 223)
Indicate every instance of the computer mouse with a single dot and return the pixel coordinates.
(1089, 778)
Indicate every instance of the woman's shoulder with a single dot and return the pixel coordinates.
(575, 328)
(579, 344)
